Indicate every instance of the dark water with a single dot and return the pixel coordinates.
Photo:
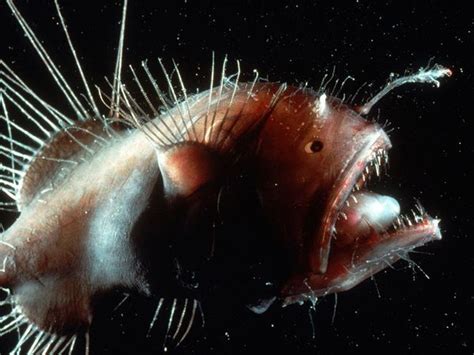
(401, 311)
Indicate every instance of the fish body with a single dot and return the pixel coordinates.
(297, 153)
(252, 190)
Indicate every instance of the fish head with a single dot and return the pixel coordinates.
(315, 156)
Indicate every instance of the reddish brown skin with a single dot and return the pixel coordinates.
(61, 146)
(295, 183)
(268, 134)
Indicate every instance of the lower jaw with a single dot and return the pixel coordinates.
(349, 266)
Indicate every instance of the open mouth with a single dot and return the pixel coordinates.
(362, 231)
(359, 212)
(370, 211)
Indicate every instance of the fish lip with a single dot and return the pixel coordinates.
(351, 175)
(342, 188)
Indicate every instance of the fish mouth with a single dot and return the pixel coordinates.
(371, 162)
(343, 255)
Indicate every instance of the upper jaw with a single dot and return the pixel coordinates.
(373, 149)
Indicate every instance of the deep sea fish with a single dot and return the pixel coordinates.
(257, 186)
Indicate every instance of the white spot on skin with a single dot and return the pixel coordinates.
(321, 106)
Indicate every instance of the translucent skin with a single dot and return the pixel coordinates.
(90, 239)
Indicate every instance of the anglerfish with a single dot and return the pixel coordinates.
(167, 193)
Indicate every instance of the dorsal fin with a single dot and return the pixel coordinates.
(65, 150)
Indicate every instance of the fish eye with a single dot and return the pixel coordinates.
(314, 146)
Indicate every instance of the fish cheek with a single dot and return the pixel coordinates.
(289, 194)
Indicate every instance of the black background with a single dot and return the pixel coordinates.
(401, 311)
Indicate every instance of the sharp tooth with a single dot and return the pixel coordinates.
(399, 221)
(343, 215)
(418, 219)
(377, 169)
(354, 198)
(420, 209)
(406, 220)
